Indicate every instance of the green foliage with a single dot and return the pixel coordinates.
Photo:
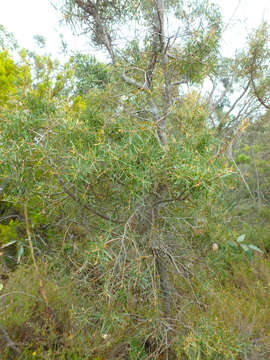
(242, 159)
(8, 76)
(213, 342)
(198, 51)
(40, 41)
(136, 350)
(7, 40)
(246, 248)
(8, 232)
(122, 225)
(88, 73)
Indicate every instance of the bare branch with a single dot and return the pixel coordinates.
(182, 197)
(89, 208)
(133, 82)
(225, 117)
(253, 82)
(258, 96)
(177, 83)
(9, 343)
(102, 36)
(240, 172)
(215, 104)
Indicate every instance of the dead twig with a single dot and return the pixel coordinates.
(9, 342)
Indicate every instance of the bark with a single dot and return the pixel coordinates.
(165, 286)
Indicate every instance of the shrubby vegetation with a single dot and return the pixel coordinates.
(134, 199)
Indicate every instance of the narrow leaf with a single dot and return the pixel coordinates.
(232, 244)
(249, 254)
(241, 238)
(253, 247)
(244, 247)
(20, 253)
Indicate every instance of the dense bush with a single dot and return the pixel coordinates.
(114, 244)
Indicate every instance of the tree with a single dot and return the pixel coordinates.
(129, 169)
(158, 61)
(155, 151)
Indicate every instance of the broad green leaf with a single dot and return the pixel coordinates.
(241, 238)
(254, 247)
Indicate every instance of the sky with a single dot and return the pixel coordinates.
(38, 17)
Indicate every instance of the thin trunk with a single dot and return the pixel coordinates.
(166, 96)
(165, 286)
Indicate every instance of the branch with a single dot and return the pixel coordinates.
(89, 208)
(161, 130)
(253, 84)
(177, 83)
(10, 344)
(232, 107)
(133, 82)
(240, 173)
(215, 104)
(257, 95)
(102, 36)
(182, 197)
(226, 146)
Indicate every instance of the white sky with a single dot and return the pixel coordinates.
(37, 17)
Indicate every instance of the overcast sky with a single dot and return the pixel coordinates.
(31, 17)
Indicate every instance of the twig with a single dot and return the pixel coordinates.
(133, 82)
(12, 216)
(93, 211)
(226, 146)
(10, 344)
(182, 197)
(253, 82)
(241, 175)
(225, 117)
